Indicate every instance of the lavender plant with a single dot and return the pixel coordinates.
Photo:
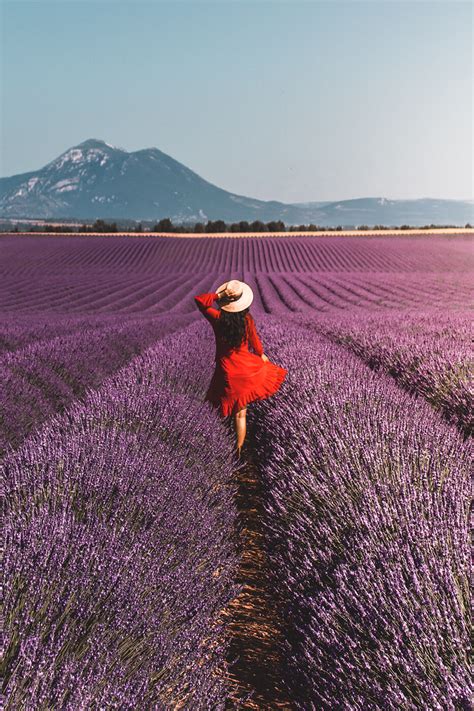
(366, 530)
(120, 510)
(43, 378)
(120, 555)
(428, 352)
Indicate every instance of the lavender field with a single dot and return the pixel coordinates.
(129, 553)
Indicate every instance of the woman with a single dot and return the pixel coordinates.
(240, 376)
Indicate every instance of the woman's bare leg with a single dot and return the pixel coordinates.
(240, 420)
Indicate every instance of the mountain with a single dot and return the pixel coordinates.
(383, 211)
(96, 180)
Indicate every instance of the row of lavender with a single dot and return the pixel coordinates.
(367, 531)
(92, 292)
(305, 292)
(20, 330)
(427, 350)
(119, 529)
(26, 255)
(429, 353)
(50, 363)
(101, 292)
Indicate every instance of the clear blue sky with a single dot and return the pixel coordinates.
(291, 101)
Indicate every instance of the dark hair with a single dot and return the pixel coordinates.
(232, 326)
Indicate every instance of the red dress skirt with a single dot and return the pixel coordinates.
(240, 377)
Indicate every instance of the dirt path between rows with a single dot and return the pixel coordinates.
(256, 635)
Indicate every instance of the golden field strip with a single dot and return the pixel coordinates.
(319, 233)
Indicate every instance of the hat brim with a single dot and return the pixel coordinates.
(242, 302)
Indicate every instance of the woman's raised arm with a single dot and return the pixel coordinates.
(204, 303)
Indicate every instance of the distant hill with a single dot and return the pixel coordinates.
(382, 211)
(96, 180)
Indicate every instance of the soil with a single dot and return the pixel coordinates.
(256, 630)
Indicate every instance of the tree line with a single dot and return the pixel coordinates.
(215, 226)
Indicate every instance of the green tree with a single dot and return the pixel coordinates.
(100, 226)
(258, 226)
(164, 225)
(220, 226)
(216, 226)
(276, 226)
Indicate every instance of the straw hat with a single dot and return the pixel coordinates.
(241, 295)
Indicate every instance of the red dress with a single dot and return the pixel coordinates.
(240, 376)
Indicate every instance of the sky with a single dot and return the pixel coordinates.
(273, 99)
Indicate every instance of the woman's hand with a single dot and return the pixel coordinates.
(228, 293)
(264, 357)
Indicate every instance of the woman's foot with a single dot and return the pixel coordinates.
(241, 459)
